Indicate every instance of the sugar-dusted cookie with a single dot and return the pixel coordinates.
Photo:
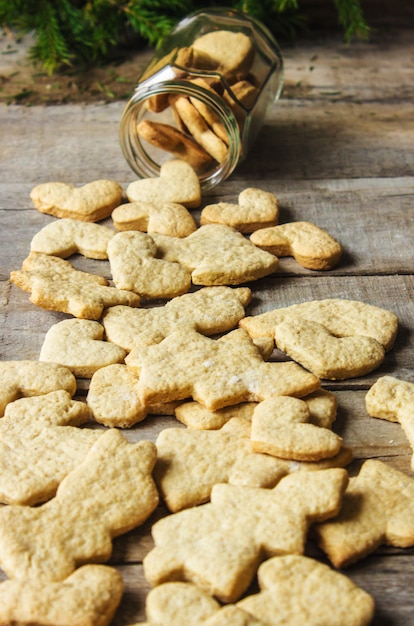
(343, 318)
(298, 590)
(40, 444)
(30, 378)
(89, 596)
(217, 254)
(54, 284)
(337, 358)
(378, 509)
(216, 373)
(177, 182)
(281, 426)
(210, 310)
(191, 462)
(200, 130)
(107, 495)
(135, 267)
(68, 236)
(176, 142)
(256, 209)
(80, 346)
(168, 218)
(392, 399)
(219, 545)
(321, 404)
(309, 244)
(90, 203)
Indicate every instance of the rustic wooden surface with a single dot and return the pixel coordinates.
(338, 150)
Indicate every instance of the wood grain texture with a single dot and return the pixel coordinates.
(337, 150)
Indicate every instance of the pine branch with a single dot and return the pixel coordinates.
(351, 18)
(82, 31)
(51, 45)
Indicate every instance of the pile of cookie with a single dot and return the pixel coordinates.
(258, 468)
(220, 64)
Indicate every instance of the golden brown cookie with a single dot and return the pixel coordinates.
(310, 245)
(113, 397)
(281, 427)
(299, 590)
(40, 444)
(67, 236)
(25, 378)
(177, 182)
(200, 130)
(392, 399)
(256, 209)
(168, 218)
(206, 111)
(89, 596)
(191, 462)
(377, 509)
(94, 503)
(216, 373)
(79, 345)
(337, 358)
(342, 318)
(136, 267)
(209, 310)
(90, 203)
(184, 603)
(54, 284)
(231, 53)
(217, 254)
(174, 141)
(220, 545)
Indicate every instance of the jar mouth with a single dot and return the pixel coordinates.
(145, 159)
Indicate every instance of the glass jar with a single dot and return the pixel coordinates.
(204, 95)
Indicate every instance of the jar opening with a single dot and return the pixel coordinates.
(145, 133)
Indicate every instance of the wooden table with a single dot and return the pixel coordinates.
(338, 150)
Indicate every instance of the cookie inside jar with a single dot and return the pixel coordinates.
(204, 96)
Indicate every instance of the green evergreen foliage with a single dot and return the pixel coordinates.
(70, 32)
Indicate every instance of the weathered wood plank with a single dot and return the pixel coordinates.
(327, 69)
(300, 140)
(337, 150)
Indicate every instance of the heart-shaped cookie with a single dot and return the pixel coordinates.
(177, 182)
(134, 267)
(78, 344)
(90, 203)
(336, 358)
(256, 209)
(310, 245)
(67, 236)
(281, 427)
(168, 218)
